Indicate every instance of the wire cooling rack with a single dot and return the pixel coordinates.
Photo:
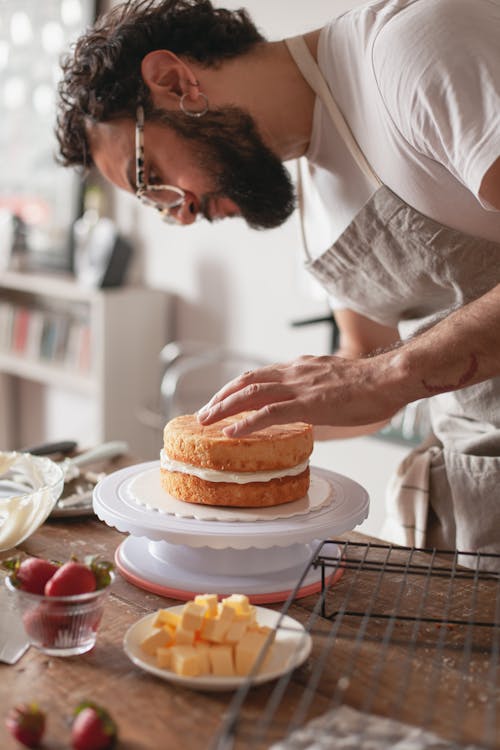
(406, 650)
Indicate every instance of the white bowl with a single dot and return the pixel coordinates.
(29, 488)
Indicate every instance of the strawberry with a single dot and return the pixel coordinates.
(26, 723)
(71, 578)
(31, 574)
(93, 728)
(46, 623)
(33, 625)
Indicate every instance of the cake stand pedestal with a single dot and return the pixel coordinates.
(179, 557)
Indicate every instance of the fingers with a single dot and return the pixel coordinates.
(279, 393)
(253, 396)
(244, 382)
(282, 413)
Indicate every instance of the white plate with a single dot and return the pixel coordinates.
(292, 646)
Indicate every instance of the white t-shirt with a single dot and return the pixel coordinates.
(418, 82)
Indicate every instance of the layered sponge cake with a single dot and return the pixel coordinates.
(199, 464)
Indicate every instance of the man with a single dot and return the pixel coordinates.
(396, 107)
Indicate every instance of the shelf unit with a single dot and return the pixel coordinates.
(126, 329)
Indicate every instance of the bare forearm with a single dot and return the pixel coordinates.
(327, 432)
(459, 351)
(346, 432)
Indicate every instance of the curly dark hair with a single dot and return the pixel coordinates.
(102, 77)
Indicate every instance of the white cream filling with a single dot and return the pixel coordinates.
(211, 475)
(23, 511)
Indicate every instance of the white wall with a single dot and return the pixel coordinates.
(242, 288)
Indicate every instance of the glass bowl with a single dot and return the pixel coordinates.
(61, 625)
(29, 489)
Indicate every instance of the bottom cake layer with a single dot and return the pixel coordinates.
(192, 489)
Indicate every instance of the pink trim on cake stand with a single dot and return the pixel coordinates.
(185, 595)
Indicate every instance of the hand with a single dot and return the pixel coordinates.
(324, 390)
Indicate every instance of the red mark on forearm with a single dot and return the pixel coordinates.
(463, 380)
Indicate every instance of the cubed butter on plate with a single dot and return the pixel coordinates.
(215, 629)
(164, 658)
(184, 637)
(225, 612)
(221, 660)
(222, 639)
(185, 661)
(203, 657)
(247, 651)
(239, 602)
(158, 639)
(236, 631)
(209, 601)
(192, 616)
(164, 617)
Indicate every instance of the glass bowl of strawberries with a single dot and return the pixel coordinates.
(61, 605)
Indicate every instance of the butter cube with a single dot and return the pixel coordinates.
(264, 630)
(225, 612)
(248, 650)
(185, 661)
(159, 639)
(164, 657)
(246, 617)
(164, 617)
(215, 630)
(236, 631)
(202, 650)
(184, 637)
(192, 616)
(221, 661)
(209, 601)
(239, 602)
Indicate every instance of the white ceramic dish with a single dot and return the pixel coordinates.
(292, 647)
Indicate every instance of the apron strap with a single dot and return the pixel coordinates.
(300, 202)
(312, 74)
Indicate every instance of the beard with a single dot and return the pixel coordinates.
(231, 151)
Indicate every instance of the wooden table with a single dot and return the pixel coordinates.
(154, 715)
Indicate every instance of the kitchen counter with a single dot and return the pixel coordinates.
(441, 675)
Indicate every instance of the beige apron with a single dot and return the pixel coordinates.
(402, 269)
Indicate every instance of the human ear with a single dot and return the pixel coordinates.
(167, 77)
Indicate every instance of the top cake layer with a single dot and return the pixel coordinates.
(275, 447)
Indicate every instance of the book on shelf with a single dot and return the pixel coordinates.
(20, 325)
(6, 320)
(39, 334)
(78, 349)
(35, 329)
(48, 342)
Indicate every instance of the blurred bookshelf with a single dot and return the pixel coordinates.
(100, 344)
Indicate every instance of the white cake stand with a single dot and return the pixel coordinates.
(179, 557)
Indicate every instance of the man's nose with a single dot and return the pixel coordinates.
(187, 212)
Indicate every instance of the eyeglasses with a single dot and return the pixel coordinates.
(163, 198)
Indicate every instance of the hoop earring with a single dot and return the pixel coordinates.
(194, 113)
